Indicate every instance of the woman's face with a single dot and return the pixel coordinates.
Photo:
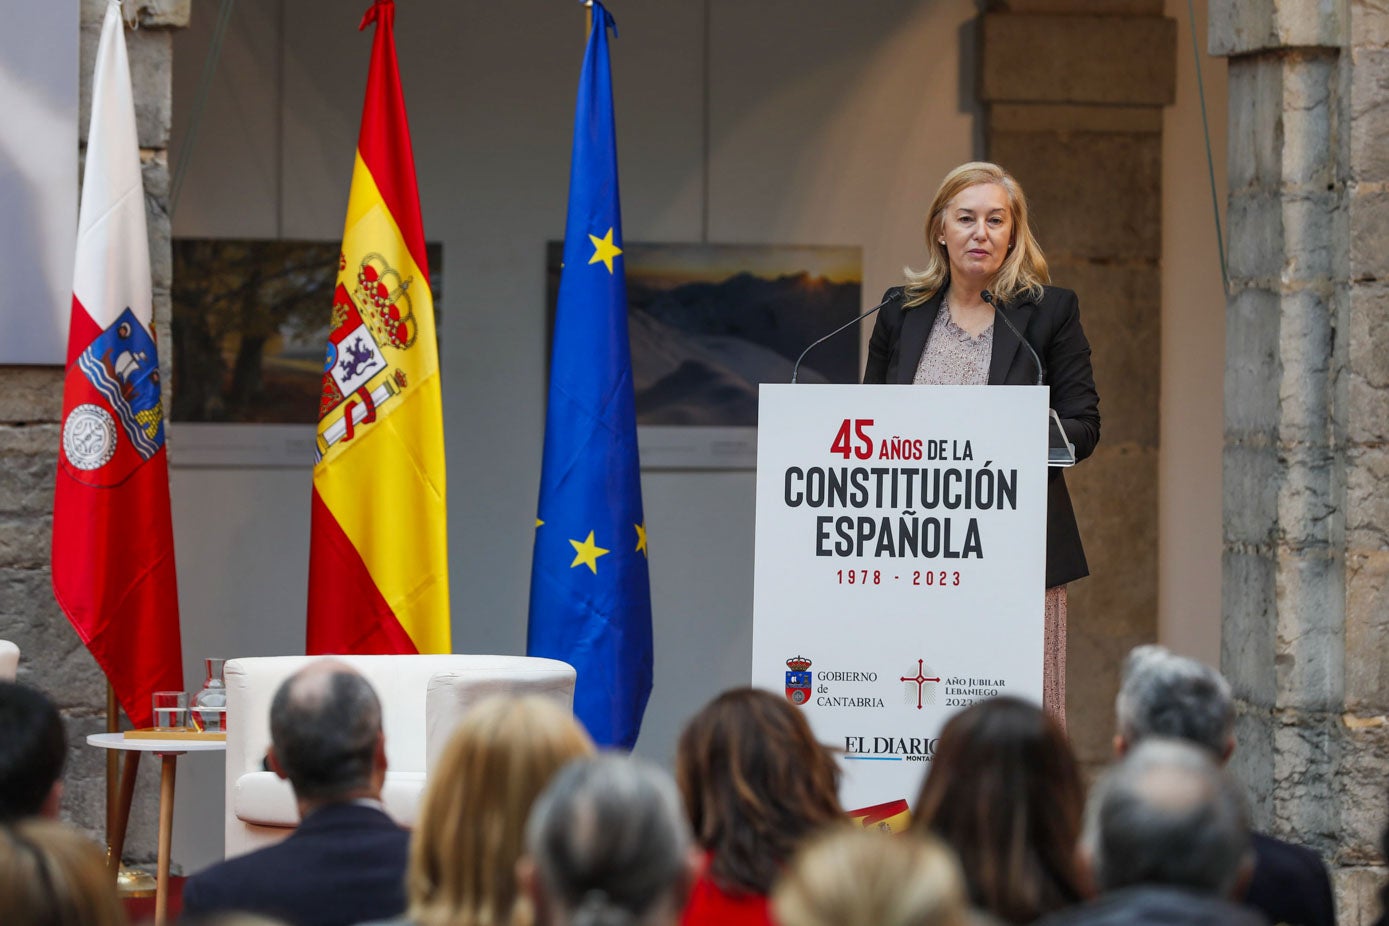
(977, 231)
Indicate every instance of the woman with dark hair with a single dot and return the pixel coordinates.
(755, 783)
(1004, 791)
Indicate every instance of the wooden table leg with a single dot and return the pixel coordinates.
(166, 836)
(122, 814)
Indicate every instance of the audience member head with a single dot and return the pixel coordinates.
(1004, 791)
(50, 875)
(229, 919)
(755, 782)
(848, 876)
(473, 814)
(607, 845)
(325, 734)
(1167, 814)
(33, 751)
(1163, 694)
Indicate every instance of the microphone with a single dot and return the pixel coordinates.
(855, 320)
(998, 313)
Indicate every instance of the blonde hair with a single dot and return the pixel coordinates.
(52, 875)
(848, 876)
(1024, 270)
(473, 815)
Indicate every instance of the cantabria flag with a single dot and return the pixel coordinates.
(113, 541)
(378, 561)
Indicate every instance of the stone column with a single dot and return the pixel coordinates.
(1305, 635)
(1075, 90)
(53, 658)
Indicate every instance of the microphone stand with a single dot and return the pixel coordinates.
(795, 370)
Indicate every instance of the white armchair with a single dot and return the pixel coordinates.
(9, 661)
(422, 699)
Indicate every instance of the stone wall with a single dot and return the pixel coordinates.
(1075, 92)
(1305, 637)
(53, 658)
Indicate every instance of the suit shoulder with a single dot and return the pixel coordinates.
(1281, 858)
(1057, 296)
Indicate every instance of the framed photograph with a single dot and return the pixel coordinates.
(710, 322)
(250, 331)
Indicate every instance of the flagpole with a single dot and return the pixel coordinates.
(130, 882)
(112, 726)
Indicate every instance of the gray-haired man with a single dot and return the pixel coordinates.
(346, 861)
(1163, 694)
(1165, 842)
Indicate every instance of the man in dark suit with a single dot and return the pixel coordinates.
(346, 861)
(1163, 694)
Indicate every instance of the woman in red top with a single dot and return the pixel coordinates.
(755, 783)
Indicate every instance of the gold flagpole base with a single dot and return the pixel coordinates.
(134, 882)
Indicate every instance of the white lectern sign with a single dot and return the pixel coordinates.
(900, 564)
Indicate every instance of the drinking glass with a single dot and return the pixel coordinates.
(170, 710)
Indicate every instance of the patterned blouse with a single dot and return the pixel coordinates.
(953, 358)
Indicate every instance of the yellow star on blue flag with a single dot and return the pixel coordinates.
(604, 250)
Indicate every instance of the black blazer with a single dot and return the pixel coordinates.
(344, 864)
(1290, 884)
(1052, 326)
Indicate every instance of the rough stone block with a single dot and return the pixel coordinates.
(56, 657)
(1129, 60)
(1252, 372)
(1304, 753)
(1080, 211)
(1240, 27)
(1252, 762)
(1252, 474)
(1367, 633)
(154, 174)
(1308, 509)
(1254, 252)
(29, 456)
(1369, 113)
(1120, 306)
(1362, 410)
(1304, 371)
(1359, 770)
(25, 541)
(147, 13)
(1366, 502)
(1357, 895)
(31, 394)
(1310, 664)
(1247, 633)
(1308, 77)
(1115, 609)
(1368, 215)
(1310, 244)
(1255, 128)
(1369, 27)
(151, 68)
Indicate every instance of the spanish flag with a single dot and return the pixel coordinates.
(378, 555)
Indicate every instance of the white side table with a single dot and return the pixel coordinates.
(168, 751)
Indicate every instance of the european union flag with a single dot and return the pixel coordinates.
(590, 594)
